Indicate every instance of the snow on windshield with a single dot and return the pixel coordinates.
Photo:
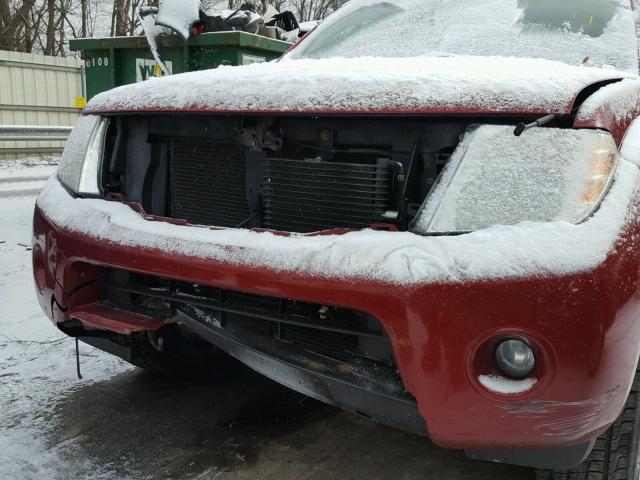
(599, 33)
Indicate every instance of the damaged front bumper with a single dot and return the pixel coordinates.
(584, 327)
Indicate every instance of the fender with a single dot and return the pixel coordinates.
(630, 148)
(612, 108)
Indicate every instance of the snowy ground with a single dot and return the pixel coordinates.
(121, 423)
(36, 362)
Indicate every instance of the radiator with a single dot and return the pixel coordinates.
(207, 182)
(208, 187)
(302, 196)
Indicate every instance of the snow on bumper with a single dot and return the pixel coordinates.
(520, 251)
(444, 302)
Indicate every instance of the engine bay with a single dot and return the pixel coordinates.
(279, 173)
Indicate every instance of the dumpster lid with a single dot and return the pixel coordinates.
(215, 39)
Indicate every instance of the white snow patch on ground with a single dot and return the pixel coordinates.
(18, 166)
(37, 363)
(506, 386)
(370, 84)
(523, 250)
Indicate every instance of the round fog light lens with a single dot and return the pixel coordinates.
(515, 358)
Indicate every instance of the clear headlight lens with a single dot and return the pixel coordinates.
(80, 165)
(496, 178)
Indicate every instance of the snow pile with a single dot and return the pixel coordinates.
(19, 179)
(621, 98)
(28, 163)
(306, 27)
(476, 27)
(180, 15)
(383, 85)
(523, 250)
(506, 386)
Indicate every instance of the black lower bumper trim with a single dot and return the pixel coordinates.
(359, 388)
(109, 346)
(543, 458)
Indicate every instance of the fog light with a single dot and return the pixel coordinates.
(515, 358)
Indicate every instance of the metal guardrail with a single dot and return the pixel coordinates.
(32, 138)
(31, 133)
(33, 129)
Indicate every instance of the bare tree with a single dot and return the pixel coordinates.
(125, 19)
(51, 28)
(84, 18)
(6, 25)
(16, 28)
(45, 25)
(307, 10)
(118, 20)
(5, 13)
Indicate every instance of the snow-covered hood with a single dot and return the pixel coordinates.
(429, 85)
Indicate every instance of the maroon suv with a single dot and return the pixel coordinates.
(426, 213)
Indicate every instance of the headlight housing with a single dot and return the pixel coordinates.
(496, 178)
(80, 165)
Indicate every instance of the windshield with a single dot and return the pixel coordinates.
(599, 33)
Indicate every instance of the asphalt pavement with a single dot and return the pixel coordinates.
(235, 424)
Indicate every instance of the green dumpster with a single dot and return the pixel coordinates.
(111, 62)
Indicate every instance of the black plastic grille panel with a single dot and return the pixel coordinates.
(305, 196)
(339, 346)
(208, 183)
(338, 333)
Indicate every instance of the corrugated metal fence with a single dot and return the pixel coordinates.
(40, 91)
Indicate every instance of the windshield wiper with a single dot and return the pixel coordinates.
(523, 127)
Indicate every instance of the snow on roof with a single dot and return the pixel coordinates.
(524, 250)
(371, 84)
